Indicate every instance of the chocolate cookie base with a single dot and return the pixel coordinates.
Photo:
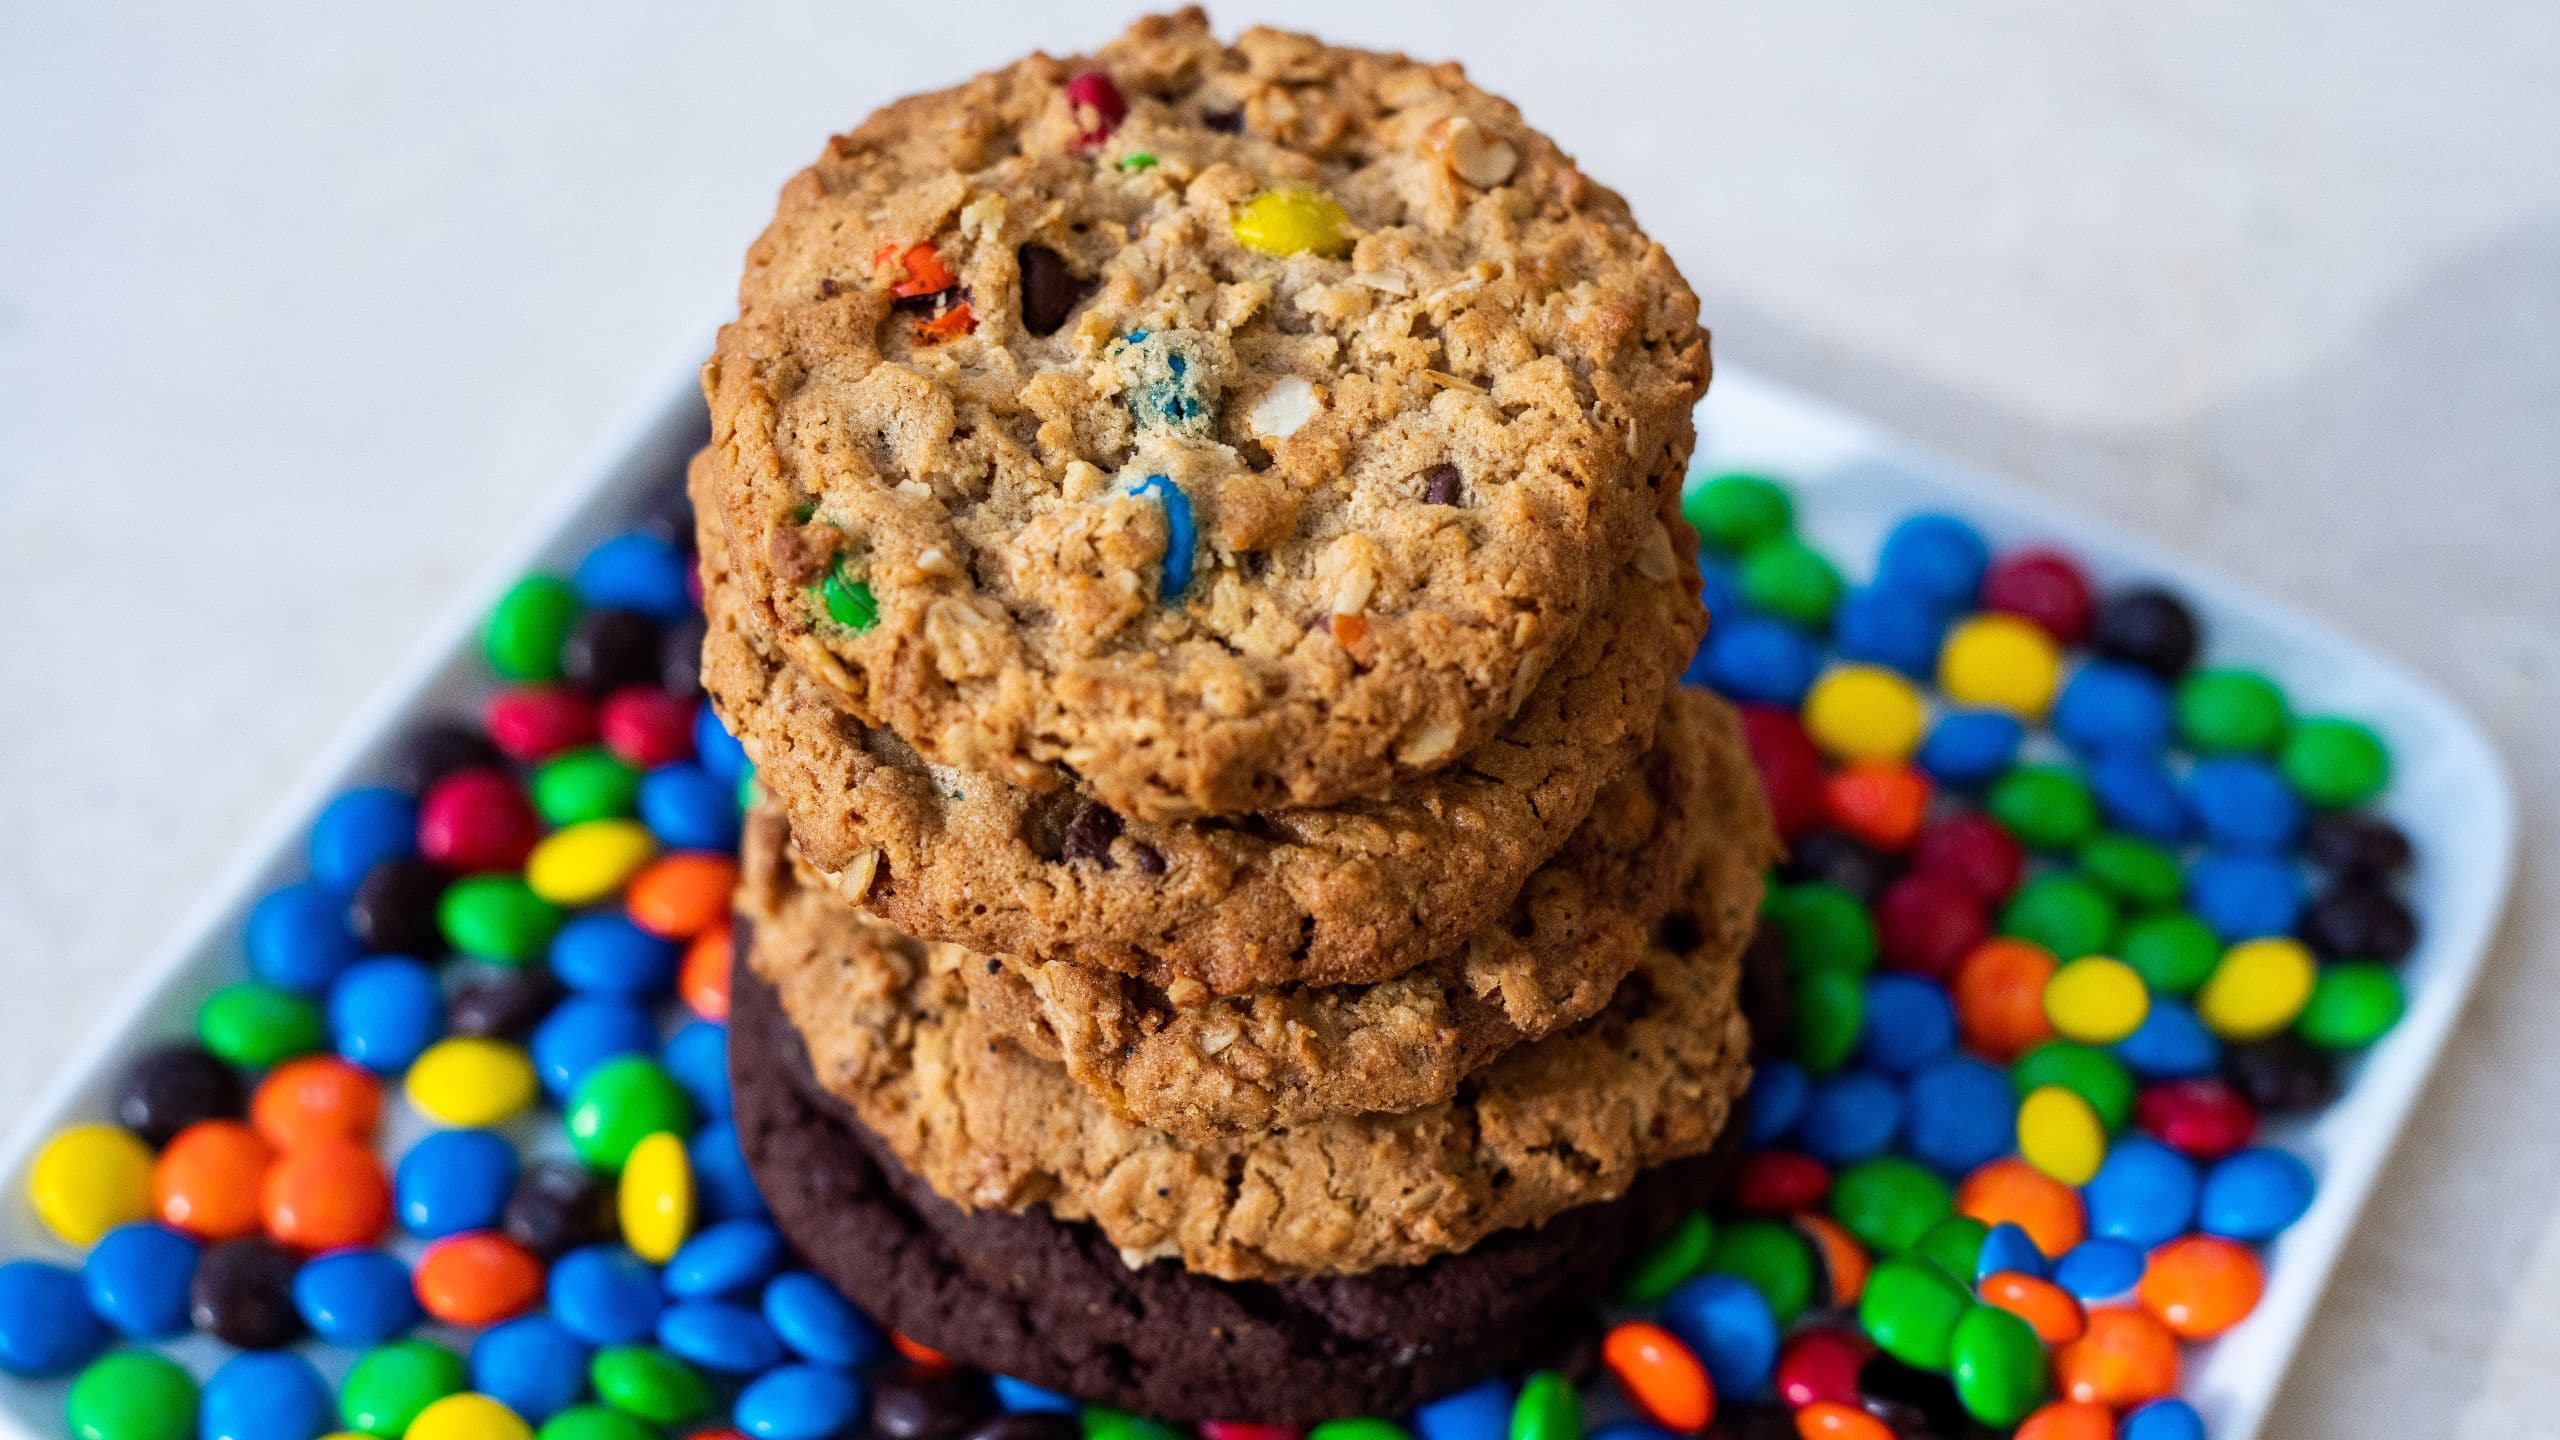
(1052, 1303)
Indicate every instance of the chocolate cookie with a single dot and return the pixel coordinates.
(1234, 427)
(1691, 810)
(1565, 1122)
(1360, 892)
(1024, 1294)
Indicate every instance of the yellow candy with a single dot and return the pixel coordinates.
(2060, 1134)
(1293, 222)
(472, 1081)
(1865, 712)
(588, 861)
(2002, 662)
(656, 1199)
(467, 1417)
(2258, 989)
(2096, 1001)
(88, 1180)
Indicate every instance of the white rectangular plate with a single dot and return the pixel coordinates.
(1852, 481)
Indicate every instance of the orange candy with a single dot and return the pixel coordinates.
(919, 1353)
(325, 1195)
(1660, 1376)
(680, 896)
(207, 1181)
(1844, 1260)
(1831, 1420)
(1999, 993)
(2067, 1421)
(1879, 802)
(2051, 1311)
(318, 1097)
(2202, 1285)
(479, 1278)
(2126, 1358)
(2015, 1191)
(704, 979)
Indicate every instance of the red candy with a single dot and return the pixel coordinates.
(1789, 765)
(1098, 107)
(2201, 1119)
(1820, 1367)
(474, 820)
(2043, 586)
(1780, 1182)
(1925, 924)
(1878, 802)
(1973, 851)
(536, 722)
(1246, 1430)
(647, 728)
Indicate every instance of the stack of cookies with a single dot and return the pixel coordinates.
(1245, 923)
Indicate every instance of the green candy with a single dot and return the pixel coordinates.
(1998, 1365)
(387, 1388)
(1953, 1245)
(2230, 712)
(1829, 1007)
(1792, 580)
(2135, 871)
(1680, 1253)
(2048, 807)
(2173, 951)
(2090, 1073)
(846, 602)
(1548, 1409)
(1101, 1422)
(525, 633)
(133, 1395)
(2335, 763)
(1910, 1309)
(584, 784)
(649, 1384)
(2063, 913)
(498, 918)
(1888, 1203)
(750, 794)
(2353, 1004)
(593, 1422)
(1361, 1428)
(1825, 928)
(620, 1103)
(255, 1025)
(1770, 1257)
(1735, 511)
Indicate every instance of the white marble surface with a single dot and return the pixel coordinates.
(301, 305)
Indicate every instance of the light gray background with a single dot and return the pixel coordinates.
(302, 306)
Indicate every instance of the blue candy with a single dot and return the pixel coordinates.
(384, 1012)
(2254, 1194)
(2244, 894)
(819, 1325)
(1728, 1325)
(698, 1057)
(2170, 1043)
(689, 808)
(1889, 627)
(2243, 803)
(717, 1335)
(2099, 1270)
(583, 1032)
(359, 830)
(799, 1402)
(604, 953)
(635, 572)
(2139, 796)
(718, 751)
(1180, 536)
(355, 1298)
(724, 1259)
(137, 1277)
(1908, 1023)
(2143, 1194)
(2008, 1248)
(1968, 749)
(532, 1365)
(2162, 1420)
(2107, 706)
(1778, 1093)
(1751, 657)
(46, 1327)
(1958, 1112)
(1021, 1397)
(1630, 1429)
(1937, 556)
(1849, 1117)
(605, 1295)
(298, 937)
(1720, 587)
(453, 1181)
(265, 1395)
(721, 1183)
(1480, 1412)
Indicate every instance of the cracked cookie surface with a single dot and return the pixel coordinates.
(1250, 427)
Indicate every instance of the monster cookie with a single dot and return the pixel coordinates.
(1691, 810)
(1224, 427)
(1202, 908)
(1567, 1121)
(1022, 1293)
